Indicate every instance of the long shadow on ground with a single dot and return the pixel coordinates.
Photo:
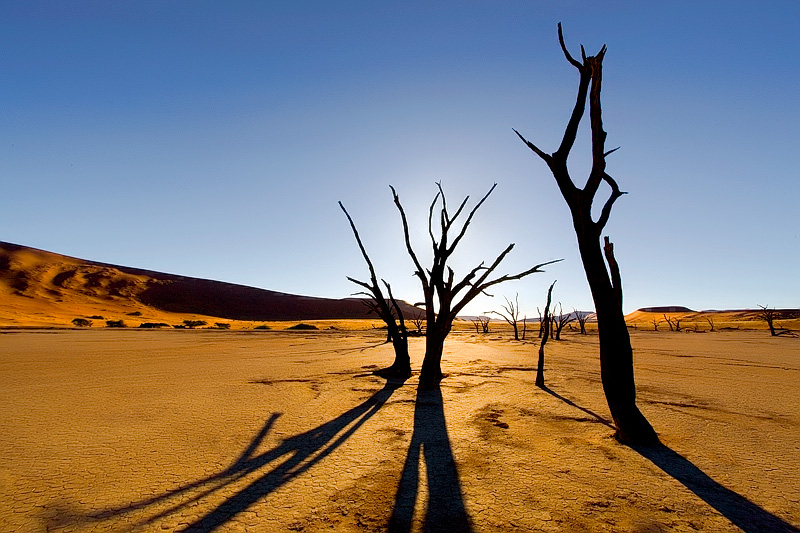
(297, 453)
(445, 509)
(745, 514)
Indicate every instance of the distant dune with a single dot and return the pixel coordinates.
(44, 288)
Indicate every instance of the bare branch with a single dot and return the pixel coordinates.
(469, 219)
(566, 52)
(606, 212)
(420, 273)
(547, 157)
(373, 278)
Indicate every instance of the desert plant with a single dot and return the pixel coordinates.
(81, 322)
(303, 326)
(222, 325)
(115, 323)
(443, 298)
(191, 324)
(262, 326)
(153, 325)
(605, 282)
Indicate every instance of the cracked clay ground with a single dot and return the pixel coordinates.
(277, 431)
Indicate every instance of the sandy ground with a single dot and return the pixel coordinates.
(107, 430)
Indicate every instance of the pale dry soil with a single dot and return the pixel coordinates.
(276, 431)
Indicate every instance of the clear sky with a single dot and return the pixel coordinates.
(213, 139)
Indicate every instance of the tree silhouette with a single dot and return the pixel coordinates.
(545, 329)
(387, 310)
(616, 354)
(444, 296)
(510, 314)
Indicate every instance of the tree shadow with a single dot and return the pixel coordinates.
(743, 513)
(444, 510)
(297, 453)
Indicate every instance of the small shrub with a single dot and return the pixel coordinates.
(222, 325)
(191, 324)
(303, 326)
(262, 326)
(115, 323)
(153, 325)
(82, 322)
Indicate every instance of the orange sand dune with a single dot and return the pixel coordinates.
(39, 288)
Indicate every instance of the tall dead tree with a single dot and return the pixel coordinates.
(510, 314)
(444, 297)
(388, 310)
(545, 335)
(616, 354)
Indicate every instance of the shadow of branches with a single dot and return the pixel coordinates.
(274, 468)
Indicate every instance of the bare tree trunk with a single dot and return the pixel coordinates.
(545, 335)
(616, 354)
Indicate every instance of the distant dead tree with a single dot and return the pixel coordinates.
(481, 324)
(545, 335)
(524, 326)
(581, 318)
(560, 320)
(444, 296)
(674, 323)
(710, 322)
(387, 310)
(770, 316)
(510, 314)
(605, 283)
(419, 321)
(541, 322)
(656, 322)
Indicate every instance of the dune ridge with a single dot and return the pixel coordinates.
(43, 288)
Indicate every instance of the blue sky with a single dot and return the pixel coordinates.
(213, 139)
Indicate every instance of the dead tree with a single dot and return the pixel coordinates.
(710, 322)
(444, 296)
(418, 320)
(561, 320)
(656, 322)
(481, 324)
(510, 314)
(669, 322)
(388, 311)
(524, 326)
(541, 322)
(581, 318)
(616, 354)
(770, 316)
(545, 335)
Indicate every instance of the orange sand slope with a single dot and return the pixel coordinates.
(39, 288)
(129, 430)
